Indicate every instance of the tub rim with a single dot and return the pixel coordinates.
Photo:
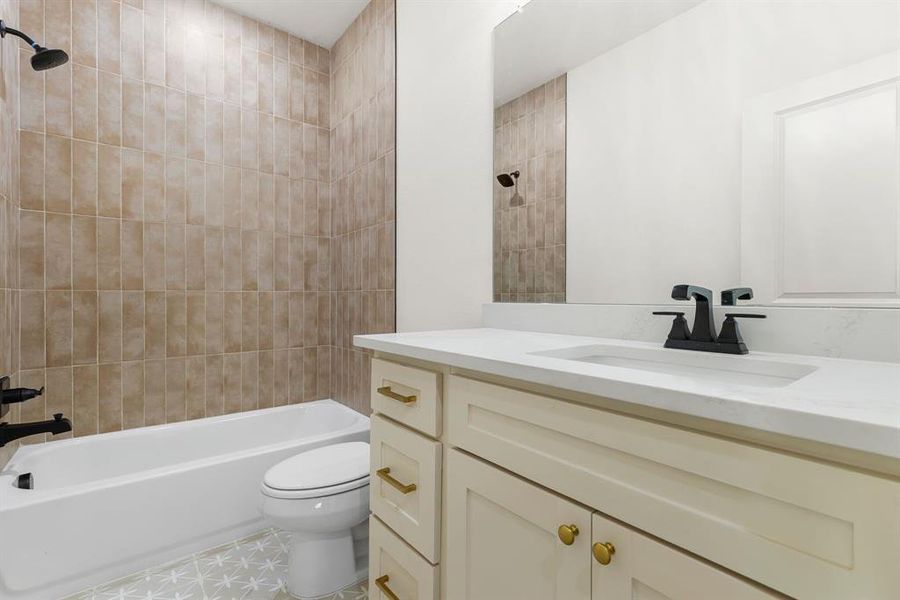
(12, 497)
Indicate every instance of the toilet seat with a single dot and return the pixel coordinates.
(320, 472)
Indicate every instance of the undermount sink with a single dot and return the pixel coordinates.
(735, 370)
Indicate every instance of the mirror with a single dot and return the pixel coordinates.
(721, 143)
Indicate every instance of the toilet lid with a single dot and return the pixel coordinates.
(327, 466)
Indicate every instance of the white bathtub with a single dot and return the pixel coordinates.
(109, 505)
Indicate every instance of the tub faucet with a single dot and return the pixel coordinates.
(10, 431)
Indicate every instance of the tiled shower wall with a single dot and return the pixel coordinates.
(363, 186)
(176, 258)
(530, 227)
(9, 209)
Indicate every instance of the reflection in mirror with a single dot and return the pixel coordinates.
(719, 143)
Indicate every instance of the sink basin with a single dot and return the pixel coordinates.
(705, 366)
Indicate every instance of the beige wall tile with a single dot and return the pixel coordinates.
(84, 178)
(85, 328)
(31, 88)
(33, 329)
(195, 387)
(108, 35)
(232, 321)
(215, 323)
(109, 188)
(109, 253)
(132, 184)
(176, 408)
(154, 325)
(58, 100)
(58, 251)
(176, 185)
(84, 96)
(132, 255)
(133, 112)
(58, 329)
(154, 118)
(215, 385)
(249, 380)
(232, 383)
(133, 325)
(31, 250)
(154, 392)
(109, 344)
(109, 104)
(176, 324)
(84, 252)
(58, 183)
(110, 397)
(86, 405)
(154, 256)
(154, 187)
(132, 28)
(31, 179)
(132, 394)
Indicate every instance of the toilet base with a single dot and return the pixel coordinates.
(321, 563)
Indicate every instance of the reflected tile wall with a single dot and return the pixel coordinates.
(363, 220)
(530, 227)
(177, 256)
(9, 222)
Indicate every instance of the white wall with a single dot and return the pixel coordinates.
(654, 137)
(444, 158)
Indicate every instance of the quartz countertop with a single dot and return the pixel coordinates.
(848, 403)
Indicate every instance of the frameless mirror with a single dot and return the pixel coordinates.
(643, 143)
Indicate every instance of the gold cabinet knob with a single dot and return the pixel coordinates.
(567, 534)
(603, 552)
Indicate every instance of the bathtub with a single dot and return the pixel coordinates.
(108, 505)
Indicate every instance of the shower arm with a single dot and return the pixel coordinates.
(4, 30)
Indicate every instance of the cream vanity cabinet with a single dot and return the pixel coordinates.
(524, 494)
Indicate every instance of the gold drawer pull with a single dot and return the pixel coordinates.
(603, 552)
(567, 534)
(387, 391)
(385, 474)
(381, 582)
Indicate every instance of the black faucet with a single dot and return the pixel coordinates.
(704, 337)
(9, 432)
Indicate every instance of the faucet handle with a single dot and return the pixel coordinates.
(731, 296)
(680, 329)
(731, 334)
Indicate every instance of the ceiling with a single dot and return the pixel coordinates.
(318, 21)
(546, 38)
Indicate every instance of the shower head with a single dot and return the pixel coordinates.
(508, 179)
(44, 58)
(47, 58)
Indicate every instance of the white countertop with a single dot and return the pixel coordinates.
(849, 403)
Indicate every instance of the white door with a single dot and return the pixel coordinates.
(504, 540)
(628, 565)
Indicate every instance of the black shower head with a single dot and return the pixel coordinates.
(44, 58)
(47, 58)
(508, 179)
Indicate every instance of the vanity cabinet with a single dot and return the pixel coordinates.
(526, 489)
(508, 538)
(503, 537)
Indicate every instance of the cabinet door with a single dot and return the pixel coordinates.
(641, 568)
(503, 538)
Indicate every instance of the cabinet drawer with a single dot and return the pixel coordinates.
(641, 567)
(405, 484)
(406, 394)
(395, 568)
(804, 528)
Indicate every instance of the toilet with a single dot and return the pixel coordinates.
(320, 496)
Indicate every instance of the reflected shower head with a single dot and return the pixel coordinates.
(44, 58)
(508, 179)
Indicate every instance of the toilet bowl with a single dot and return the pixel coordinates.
(320, 496)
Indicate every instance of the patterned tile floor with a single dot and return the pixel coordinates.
(253, 568)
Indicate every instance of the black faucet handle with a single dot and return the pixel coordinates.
(730, 337)
(731, 296)
(680, 329)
